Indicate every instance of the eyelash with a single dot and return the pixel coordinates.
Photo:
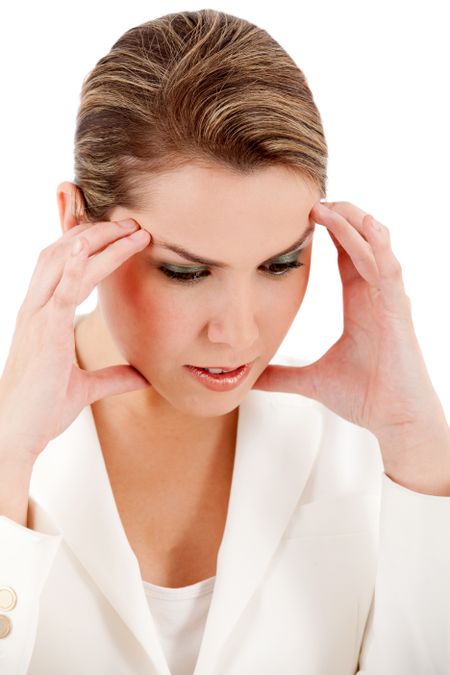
(191, 278)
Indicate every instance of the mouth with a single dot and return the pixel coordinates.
(222, 381)
(219, 370)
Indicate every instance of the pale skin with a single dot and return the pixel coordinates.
(174, 439)
(234, 316)
(169, 448)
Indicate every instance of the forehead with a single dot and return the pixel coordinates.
(211, 199)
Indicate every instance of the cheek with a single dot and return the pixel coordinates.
(151, 319)
(142, 318)
(281, 305)
(154, 319)
(285, 296)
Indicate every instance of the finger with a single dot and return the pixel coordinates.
(390, 272)
(103, 264)
(390, 279)
(51, 261)
(64, 298)
(113, 380)
(352, 213)
(289, 379)
(388, 265)
(351, 240)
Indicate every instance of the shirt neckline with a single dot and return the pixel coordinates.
(202, 587)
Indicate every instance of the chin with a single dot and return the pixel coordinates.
(193, 399)
(211, 404)
(205, 403)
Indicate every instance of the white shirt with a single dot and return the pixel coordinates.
(180, 617)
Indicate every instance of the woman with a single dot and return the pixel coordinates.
(184, 521)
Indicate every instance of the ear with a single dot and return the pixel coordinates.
(70, 205)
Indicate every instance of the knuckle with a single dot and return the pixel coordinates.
(46, 252)
(79, 227)
(62, 298)
(396, 269)
(404, 307)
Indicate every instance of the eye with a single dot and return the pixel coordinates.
(283, 268)
(274, 270)
(184, 277)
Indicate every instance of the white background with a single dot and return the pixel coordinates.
(379, 75)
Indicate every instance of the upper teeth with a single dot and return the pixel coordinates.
(214, 370)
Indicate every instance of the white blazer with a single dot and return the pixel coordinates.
(326, 566)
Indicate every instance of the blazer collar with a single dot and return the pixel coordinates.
(278, 438)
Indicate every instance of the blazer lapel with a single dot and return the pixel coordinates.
(70, 481)
(277, 441)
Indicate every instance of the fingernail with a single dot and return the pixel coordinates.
(140, 235)
(127, 224)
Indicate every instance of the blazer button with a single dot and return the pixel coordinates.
(8, 598)
(5, 626)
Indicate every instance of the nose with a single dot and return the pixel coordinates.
(234, 323)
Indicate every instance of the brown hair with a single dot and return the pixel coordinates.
(200, 86)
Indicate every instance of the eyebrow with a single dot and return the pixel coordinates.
(192, 257)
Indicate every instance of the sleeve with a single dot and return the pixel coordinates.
(26, 557)
(408, 627)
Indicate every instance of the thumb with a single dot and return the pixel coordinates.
(289, 379)
(114, 380)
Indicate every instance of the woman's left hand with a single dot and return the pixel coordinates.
(374, 375)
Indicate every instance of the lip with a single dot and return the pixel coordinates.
(222, 382)
(230, 368)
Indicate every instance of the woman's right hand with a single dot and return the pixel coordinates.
(42, 390)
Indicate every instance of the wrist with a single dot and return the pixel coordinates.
(419, 460)
(15, 477)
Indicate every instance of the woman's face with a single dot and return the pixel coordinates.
(231, 314)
